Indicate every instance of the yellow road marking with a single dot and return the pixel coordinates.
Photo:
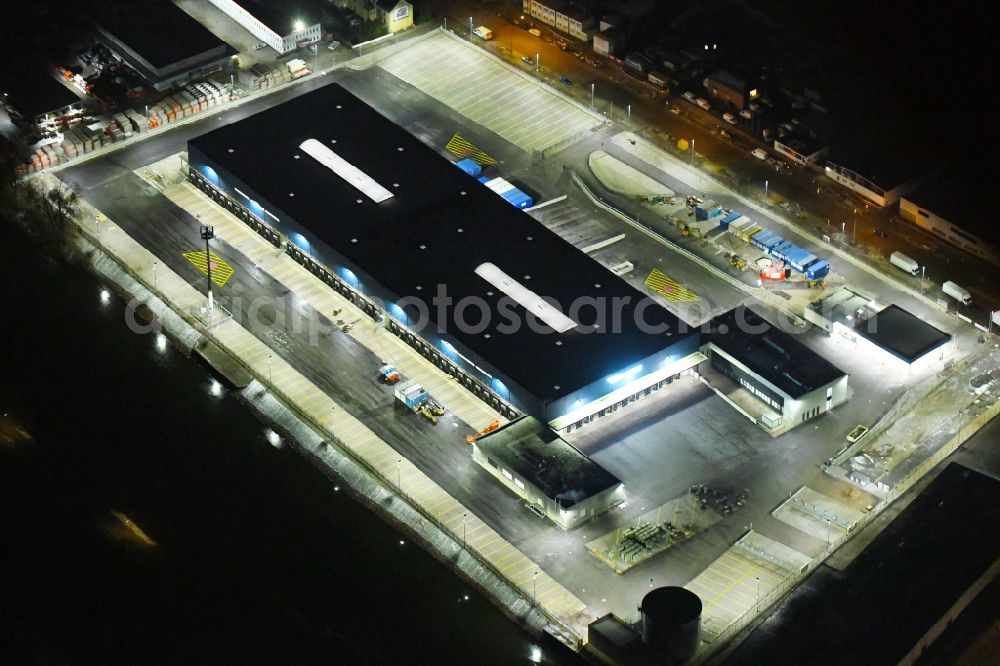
(221, 271)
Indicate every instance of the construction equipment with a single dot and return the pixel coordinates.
(737, 262)
(493, 425)
(389, 374)
(817, 284)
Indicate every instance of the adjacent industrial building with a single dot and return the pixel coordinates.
(490, 295)
(393, 15)
(36, 98)
(801, 149)
(282, 26)
(178, 51)
(792, 380)
(894, 335)
(945, 206)
(574, 20)
(727, 87)
(549, 473)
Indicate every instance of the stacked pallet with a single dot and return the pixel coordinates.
(262, 76)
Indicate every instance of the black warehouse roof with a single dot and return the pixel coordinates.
(176, 37)
(538, 455)
(437, 228)
(771, 353)
(900, 333)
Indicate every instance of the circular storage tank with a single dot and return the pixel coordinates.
(671, 622)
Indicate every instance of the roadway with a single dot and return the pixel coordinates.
(825, 204)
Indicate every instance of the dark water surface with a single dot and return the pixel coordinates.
(258, 559)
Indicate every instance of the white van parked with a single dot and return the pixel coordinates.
(759, 153)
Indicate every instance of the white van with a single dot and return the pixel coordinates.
(703, 103)
(483, 33)
(729, 118)
(759, 153)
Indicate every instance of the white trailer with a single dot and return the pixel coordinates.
(901, 261)
(957, 292)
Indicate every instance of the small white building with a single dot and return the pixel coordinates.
(272, 24)
(394, 15)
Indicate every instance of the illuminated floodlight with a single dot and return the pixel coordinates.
(273, 438)
(216, 388)
(625, 374)
(105, 296)
(161, 342)
(299, 26)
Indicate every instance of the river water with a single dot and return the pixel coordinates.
(258, 557)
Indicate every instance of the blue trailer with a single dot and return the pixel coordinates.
(799, 258)
(470, 166)
(517, 198)
(732, 217)
(817, 270)
(779, 251)
(765, 239)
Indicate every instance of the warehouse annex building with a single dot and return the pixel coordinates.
(179, 50)
(283, 26)
(795, 382)
(548, 472)
(391, 224)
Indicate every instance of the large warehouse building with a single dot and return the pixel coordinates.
(517, 314)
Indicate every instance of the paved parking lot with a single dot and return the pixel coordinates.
(732, 585)
(522, 111)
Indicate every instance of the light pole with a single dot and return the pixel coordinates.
(399, 479)
(464, 517)
(445, 22)
(538, 62)
(923, 272)
(470, 26)
(629, 112)
(854, 232)
(757, 603)
(270, 379)
(534, 588)
(692, 152)
(207, 234)
(765, 191)
(154, 275)
(591, 95)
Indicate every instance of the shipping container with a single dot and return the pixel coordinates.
(469, 166)
(817, 270)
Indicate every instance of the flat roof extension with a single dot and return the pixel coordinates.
(902, 334)
(771, 353)
(177, 36)
(441, 227)
(537, 454)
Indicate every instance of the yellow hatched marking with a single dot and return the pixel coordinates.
(221, 271)
(670, 288)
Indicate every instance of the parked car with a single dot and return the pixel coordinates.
(535, 31)
(729, 118)
(759, 153)
(259, 45)
(565, 81)
(689, 96)
(333, 46)
(528, 61)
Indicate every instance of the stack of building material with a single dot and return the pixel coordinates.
(138, 122)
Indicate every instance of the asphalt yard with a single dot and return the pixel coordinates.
(519, 109)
